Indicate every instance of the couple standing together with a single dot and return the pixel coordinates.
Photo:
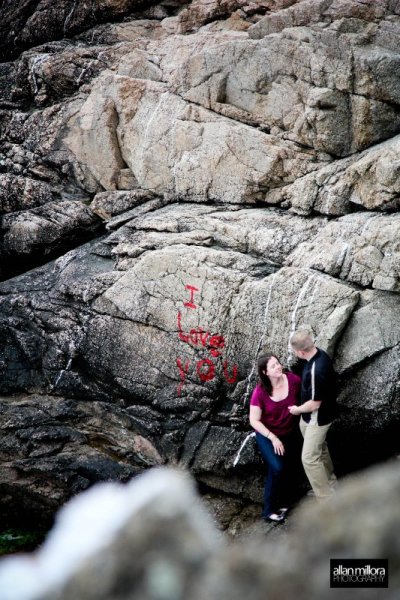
(276, 402)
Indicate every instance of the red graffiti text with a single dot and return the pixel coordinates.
(205, 368)
(192, 290)
(199, 337)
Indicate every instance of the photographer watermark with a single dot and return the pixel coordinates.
(360, 572)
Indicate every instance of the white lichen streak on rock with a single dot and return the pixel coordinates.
(260, 341)
(35, 62)
(238, 455)
(293, 318)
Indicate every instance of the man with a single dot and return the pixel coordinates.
(317, 410)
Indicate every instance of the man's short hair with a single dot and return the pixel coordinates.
(302, 339)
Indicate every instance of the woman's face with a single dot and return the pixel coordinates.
(274, 367)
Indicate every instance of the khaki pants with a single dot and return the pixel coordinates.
(316, 459)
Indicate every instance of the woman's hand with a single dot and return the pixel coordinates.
(294, 410)
(279, 448)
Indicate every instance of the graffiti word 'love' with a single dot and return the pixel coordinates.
(205, 368)
(199, 337)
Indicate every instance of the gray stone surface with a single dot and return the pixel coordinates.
(203, 156)
(19, 193)
(236, 167)
(338, 95)
(361, 248)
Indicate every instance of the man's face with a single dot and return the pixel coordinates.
(298, 353)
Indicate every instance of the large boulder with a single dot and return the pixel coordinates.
(203, 156)
(20, 193)
(31, 235)
(27, 24)
(366, 181)
(164, 317)
(339, 95)
(64, 447)
(361, 248)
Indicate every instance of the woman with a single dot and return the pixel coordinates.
(275, 428)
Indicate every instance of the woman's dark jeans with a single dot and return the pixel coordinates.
(276, 489)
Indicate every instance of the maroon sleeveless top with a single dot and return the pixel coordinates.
(275, 414)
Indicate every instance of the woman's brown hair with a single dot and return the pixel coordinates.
(262, 366)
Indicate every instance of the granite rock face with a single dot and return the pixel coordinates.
(65, 448)
(182, 185)
(26, 24)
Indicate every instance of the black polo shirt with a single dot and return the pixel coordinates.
(319, 382)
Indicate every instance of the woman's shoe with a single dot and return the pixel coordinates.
(283, 511)
(275, 518)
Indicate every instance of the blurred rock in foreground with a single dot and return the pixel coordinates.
(151, 539)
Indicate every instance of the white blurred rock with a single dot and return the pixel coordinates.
(92, 522)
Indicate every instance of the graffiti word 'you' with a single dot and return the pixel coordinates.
(199, 338)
